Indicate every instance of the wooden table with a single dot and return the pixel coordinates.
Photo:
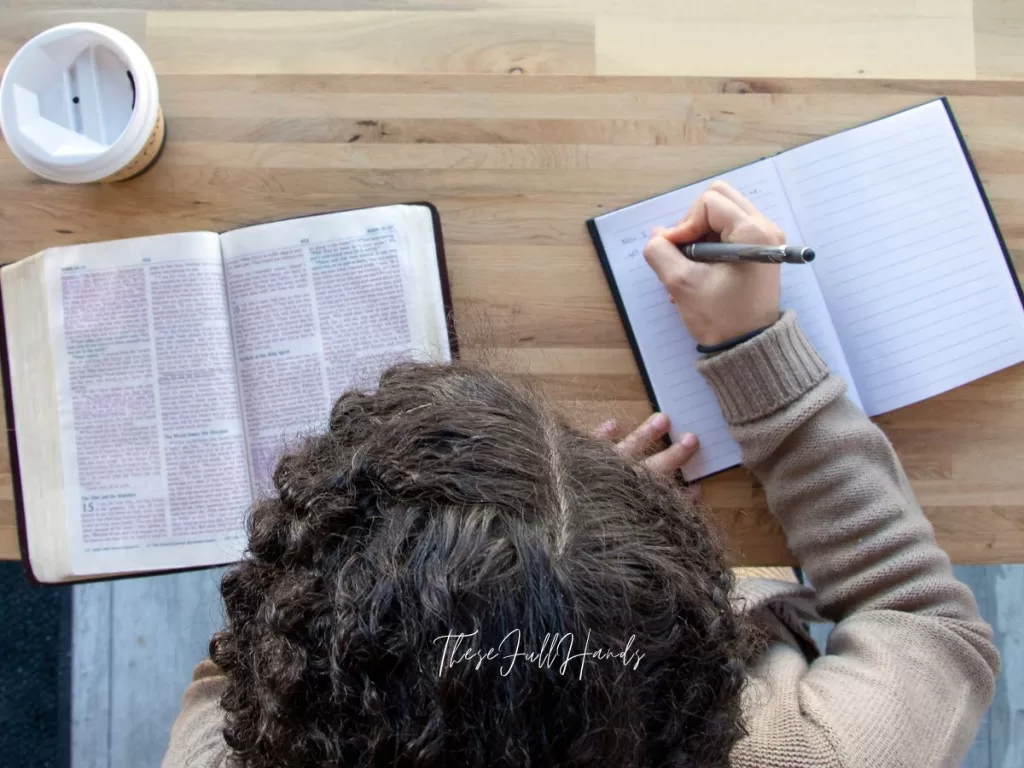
(516, 165)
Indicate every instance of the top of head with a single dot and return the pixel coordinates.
(452, 501)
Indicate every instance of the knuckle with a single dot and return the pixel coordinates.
(775, 234)
(676, 281)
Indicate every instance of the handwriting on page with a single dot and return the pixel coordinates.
(908, 260)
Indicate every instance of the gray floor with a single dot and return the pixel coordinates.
(999, 591)
(1000, 594)
(137, 640)
(135, 644)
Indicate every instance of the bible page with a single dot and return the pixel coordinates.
(323, 304)
(908, 260)
(667, 349)
(153, 450)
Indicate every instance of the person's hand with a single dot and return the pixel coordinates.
(719, 302)
(642, 440)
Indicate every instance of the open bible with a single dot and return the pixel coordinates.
(912, 292)
(152, 383)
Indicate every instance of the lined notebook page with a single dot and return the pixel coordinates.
(908, 260)
(667, 349)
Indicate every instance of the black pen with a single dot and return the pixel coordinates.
(765, 254)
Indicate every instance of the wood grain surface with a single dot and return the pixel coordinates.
(516, 165)
(963, 39)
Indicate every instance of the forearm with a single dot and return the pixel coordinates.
(849, 514)
(910, 666)
(833, 481)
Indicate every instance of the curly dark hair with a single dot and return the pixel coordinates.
(454, 501)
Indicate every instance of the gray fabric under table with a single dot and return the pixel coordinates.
(35, 637)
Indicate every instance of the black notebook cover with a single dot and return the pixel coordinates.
(617, 296)
(12, 442)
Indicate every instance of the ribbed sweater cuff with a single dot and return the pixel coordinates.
(767, 373)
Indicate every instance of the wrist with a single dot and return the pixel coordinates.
(735, 341)
(721, 323)
(765, 374)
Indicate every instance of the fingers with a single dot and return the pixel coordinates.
(710, 213)
(674, 457)
(639, 442)
(723, 211)
(608, 431)
(672, 268)
(726, 189)
(693, 226)
(718, 212)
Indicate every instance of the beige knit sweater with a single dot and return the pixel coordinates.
(910, 666)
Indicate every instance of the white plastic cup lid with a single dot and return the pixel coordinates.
(78, 102)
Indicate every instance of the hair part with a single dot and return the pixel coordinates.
(453, 501)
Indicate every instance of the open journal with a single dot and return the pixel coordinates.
(152, 383)
(912, 292)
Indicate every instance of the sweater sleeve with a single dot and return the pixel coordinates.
(910, 666)
(197, 737)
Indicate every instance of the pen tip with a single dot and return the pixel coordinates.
(808, 254)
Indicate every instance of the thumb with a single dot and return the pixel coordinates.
(688, 230)
(668, 263)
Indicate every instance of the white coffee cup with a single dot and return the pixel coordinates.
(79, 103)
